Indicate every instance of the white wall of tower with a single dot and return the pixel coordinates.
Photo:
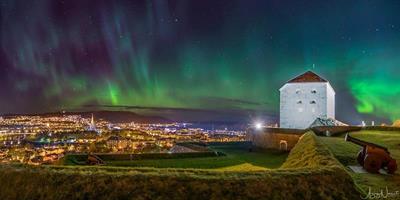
(330, 101)
(302, 103)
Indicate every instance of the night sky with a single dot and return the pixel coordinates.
(199, 54)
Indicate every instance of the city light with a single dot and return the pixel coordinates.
(258, 125)
(38, 140)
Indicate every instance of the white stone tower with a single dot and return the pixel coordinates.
(304, 99)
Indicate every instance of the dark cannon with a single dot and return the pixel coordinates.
(373, 157)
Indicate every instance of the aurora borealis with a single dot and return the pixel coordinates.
(208, 54)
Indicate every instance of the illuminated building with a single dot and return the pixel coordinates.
(304, 99)
(92, 124)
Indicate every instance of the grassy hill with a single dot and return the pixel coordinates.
(310, 172)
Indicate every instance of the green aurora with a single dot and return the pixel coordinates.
(225, 55)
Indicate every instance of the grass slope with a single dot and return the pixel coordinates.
(310, 153)
(129, 183)
(320, 178)
(237, 157)
(346, 153)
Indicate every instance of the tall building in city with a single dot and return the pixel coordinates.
(305, 98)
(92, 124)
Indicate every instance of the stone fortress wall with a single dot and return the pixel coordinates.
(274, 138)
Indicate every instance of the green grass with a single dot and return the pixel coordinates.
(310, 152)
(237, 157)
(94, 182)
(310, 172)
(346, 153)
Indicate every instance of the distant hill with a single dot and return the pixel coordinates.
(111, 116)
(124, 116)
(211, 119)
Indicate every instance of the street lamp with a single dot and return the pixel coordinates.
(258, 125)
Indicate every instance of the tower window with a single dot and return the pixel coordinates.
(314, 91)
(299, 102)
(313, 102)
(298, 91)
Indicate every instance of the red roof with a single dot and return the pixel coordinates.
(309, 76)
